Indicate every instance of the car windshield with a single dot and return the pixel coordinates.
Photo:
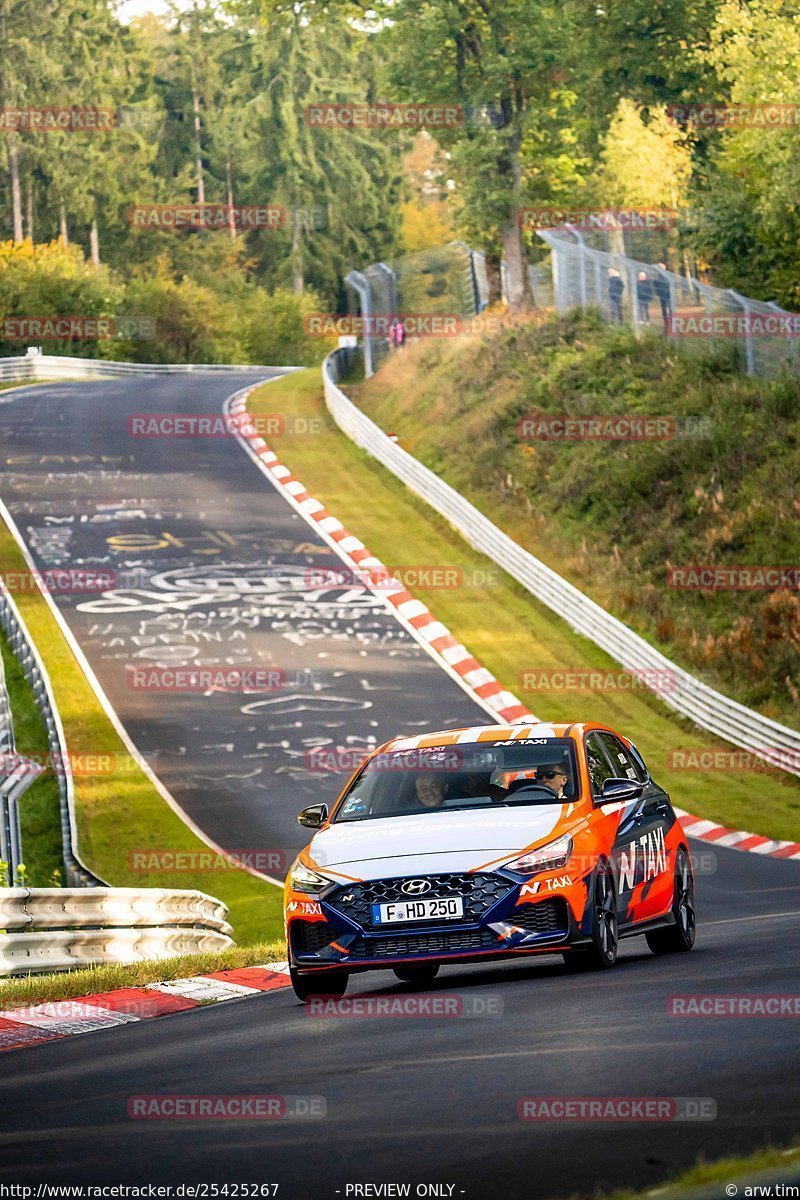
(473, 775)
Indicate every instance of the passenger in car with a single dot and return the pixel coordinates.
(430, 791)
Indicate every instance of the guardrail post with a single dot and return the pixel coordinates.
(791, 326)
(749, 351)
(631, 274)
(581, 262)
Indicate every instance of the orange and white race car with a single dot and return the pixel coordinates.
(487, 843)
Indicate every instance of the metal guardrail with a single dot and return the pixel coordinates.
(52, 929)
(34, 367)
(109, 908)
(16, 774)
(682, 691)
(34, 953)
(25, 651)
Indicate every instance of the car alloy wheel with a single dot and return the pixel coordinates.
(680, 937)
(601, 954)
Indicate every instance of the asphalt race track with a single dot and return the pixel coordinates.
(212, 568)
(434, 1100)
(408, 1100)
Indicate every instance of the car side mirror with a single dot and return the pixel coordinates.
(620, 790)
(314, 816)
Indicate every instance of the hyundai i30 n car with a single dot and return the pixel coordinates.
(488, 843)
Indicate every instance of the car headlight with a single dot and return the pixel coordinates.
(546, 858)
(303, 879)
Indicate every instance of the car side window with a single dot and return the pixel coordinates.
(599, 769)
(624, 763)
(639, 764)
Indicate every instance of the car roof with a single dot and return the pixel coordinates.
(491, 733)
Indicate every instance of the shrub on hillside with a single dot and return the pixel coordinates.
(53, 280)
(276, 330)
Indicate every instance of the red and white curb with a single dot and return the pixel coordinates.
(27, 1026)
(417, 618)
(736, 839)
(432, 634)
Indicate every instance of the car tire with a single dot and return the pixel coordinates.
(330, 984)
(601, 953)
(421, 976)
(680, 937)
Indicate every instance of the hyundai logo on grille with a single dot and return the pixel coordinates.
(416, 887)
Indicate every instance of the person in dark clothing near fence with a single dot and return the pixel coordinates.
(615, 290)
(644, 294)
(661, 289)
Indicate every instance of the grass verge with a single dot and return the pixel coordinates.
(502, 624)
(69, 985)
(39, 811)
(758, 1168)
(613, 516)
(119, 810)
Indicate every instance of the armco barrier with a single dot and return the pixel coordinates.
(16, 775)
(51, 929)
(72, 908)
(687, 694)
(35, 953)
(35, 367)
(23, 647)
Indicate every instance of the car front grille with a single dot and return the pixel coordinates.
(309, 937)
(479, 891)
(549, 916)
(425, 943)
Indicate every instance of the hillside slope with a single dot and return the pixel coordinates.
(614, 516)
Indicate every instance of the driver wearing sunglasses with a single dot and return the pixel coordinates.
(554, 776)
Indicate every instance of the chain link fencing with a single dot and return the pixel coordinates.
(447, 279)
(761, 337)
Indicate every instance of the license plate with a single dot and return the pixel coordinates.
(450, 908)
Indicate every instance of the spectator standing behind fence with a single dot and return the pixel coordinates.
(644, 294)
(615, 289)
(661, 289)
(397, 334)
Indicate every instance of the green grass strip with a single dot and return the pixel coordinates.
(69, 985)
(39, 811)
(770, 1160)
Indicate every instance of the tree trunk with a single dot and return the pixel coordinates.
(229, 183)
(494, 277)
(518, 281)
(198, 149)
(29, 207)
(62, 217)
(297, 253)
(16, 199)
(94, 243)
(616, 241)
